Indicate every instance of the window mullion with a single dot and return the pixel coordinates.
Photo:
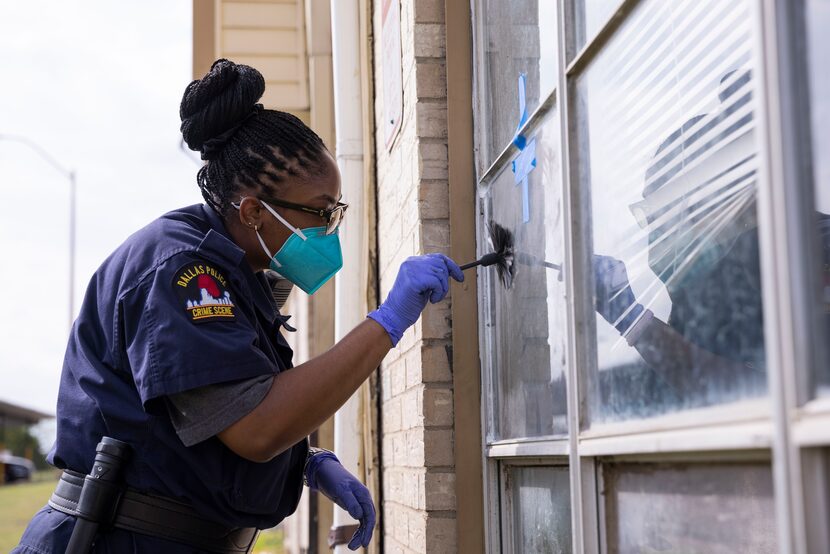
(584, 536)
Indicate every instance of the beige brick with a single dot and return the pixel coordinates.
(431, 80)
(398, 449)
(439, 490)
(413, 369)
(392, 546)
(407, 213)
(397, 371)
(438, 448)
(415, 447)
(441, 535)
(429, 11)
(429, 41)
(400, 520)
(387, 458)
(433, 160)
(391, 411)
(435, 235)
(435, 364)
(385, 386)
(413, 487)
(411, 408)
(436, 321)
(393, 482)
(431, 119)
(417, 523)
(408, 339)
(438, 409)
(433, 200)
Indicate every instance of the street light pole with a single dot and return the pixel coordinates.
(70, 174)
(72, 226)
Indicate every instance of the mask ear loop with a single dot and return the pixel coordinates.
(282, 220)
(267, 250)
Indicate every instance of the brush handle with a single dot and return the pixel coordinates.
(485, 260)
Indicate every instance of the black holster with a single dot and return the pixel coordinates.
(100, 494)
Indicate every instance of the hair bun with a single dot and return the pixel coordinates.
(219, 101)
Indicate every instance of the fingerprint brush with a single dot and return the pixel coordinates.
(501, 241)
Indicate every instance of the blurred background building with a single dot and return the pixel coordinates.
(20, 452)
(653, 376)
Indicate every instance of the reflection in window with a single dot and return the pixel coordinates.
(705, 509)
(525, 327)
(514, 37)
(817, 17)
(666, 112)
(541, 509)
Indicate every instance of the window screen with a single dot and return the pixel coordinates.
(668, 163)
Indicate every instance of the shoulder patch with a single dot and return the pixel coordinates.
(203, 292)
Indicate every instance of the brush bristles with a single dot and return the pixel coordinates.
(502, 240)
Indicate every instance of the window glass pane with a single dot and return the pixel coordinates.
(514, 37)
(817, 16)
(717, 509)
(525, 327)
(668, 157)
(541, 509)
(589, 17)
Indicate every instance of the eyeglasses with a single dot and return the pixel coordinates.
(333, 216)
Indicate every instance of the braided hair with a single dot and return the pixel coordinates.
(243, 145)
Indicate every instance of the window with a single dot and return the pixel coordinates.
(817, 17)
(716, 509)
(522, 305)
(515, 38)
(526, 325)
(589, 17)
(667, 113)
(630, 360)
(537, 510)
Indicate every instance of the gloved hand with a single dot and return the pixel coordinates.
(325, 473)
(419, 279)
(615, 300)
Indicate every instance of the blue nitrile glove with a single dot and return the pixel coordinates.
(420, 279)
(324, 472)
(615, 300)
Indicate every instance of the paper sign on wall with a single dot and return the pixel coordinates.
(392, 71)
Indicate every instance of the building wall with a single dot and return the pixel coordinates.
(419, 501)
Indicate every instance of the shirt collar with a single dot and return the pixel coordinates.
(218, 242)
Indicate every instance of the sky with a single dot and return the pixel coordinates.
(96, 84)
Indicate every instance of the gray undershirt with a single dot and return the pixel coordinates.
(201, 413)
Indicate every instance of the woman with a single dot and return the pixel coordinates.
(177, 349)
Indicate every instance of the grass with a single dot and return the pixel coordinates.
(269, 542)
(18, 503)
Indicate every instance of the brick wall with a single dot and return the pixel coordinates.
(413, 210)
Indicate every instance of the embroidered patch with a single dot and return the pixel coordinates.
(203, 292)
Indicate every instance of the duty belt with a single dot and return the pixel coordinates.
(160, 517)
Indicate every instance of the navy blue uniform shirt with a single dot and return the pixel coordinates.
(174, 308)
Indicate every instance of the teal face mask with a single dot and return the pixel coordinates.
(308, 258)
